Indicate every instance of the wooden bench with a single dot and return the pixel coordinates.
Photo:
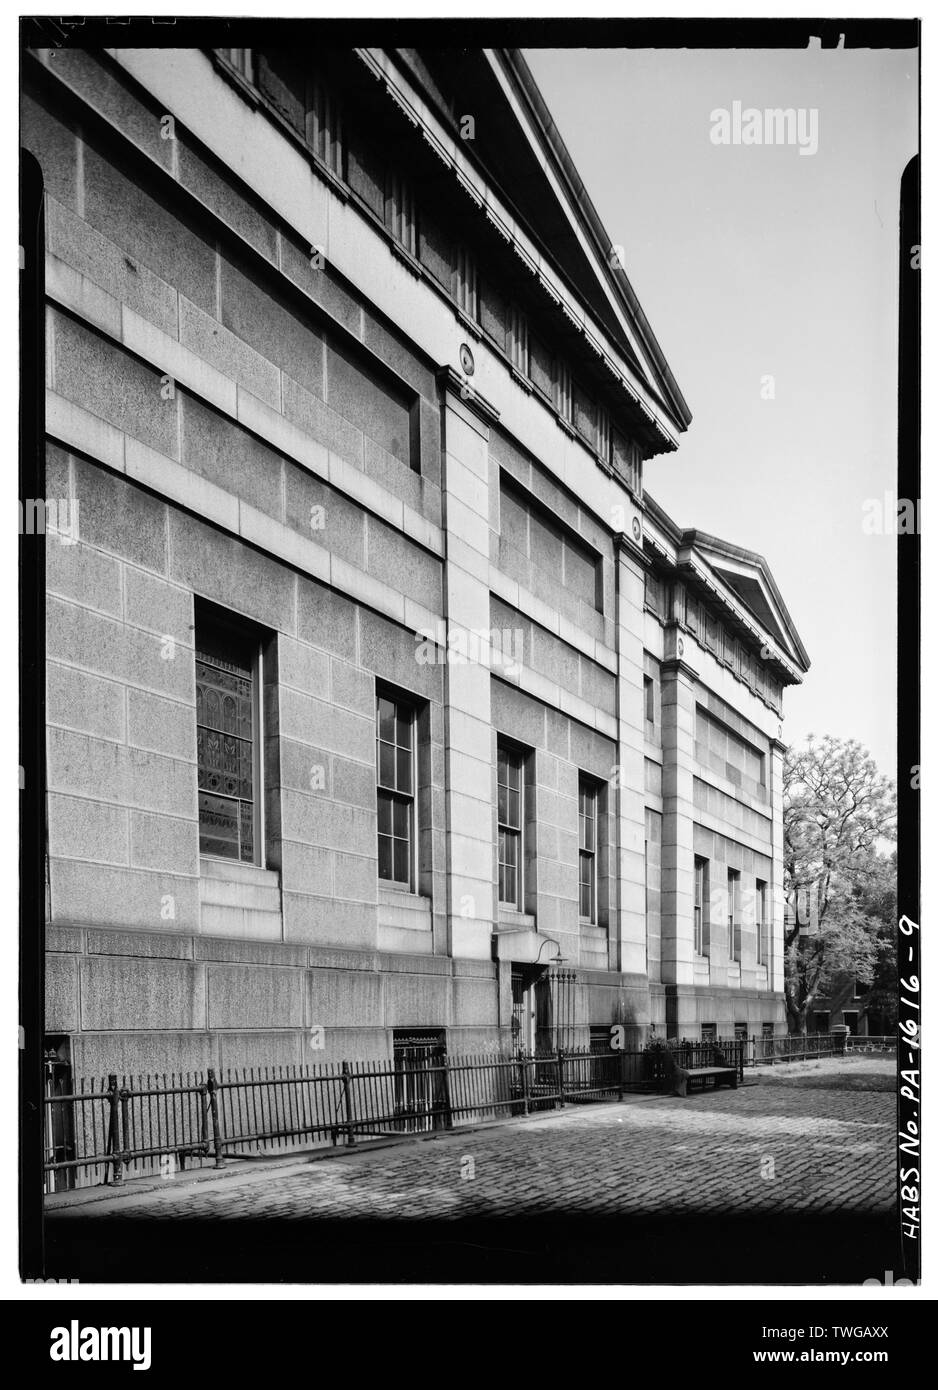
(683, 1077)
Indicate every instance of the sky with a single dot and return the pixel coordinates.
(755, 261)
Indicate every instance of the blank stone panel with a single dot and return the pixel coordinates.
(217, 448)
(357, 392)
(147, 228)
(259, 315)
(101, 377)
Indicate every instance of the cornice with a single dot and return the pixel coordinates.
(448, 379)
(488, 201)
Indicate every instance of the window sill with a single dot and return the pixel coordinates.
(398, 894)
(405, 921)
(239, 900)
(510, 919)
(236, 871)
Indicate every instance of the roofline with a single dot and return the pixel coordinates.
(696, 538)
(618, 280)
(738, 552)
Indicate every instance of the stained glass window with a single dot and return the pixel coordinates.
(225, 725)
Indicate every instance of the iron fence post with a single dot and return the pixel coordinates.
(560, 1076)
(447, 1098)
(346, 1094)
(125, 1125)
(523, 1063)
(114, 1125)
(211, 1087)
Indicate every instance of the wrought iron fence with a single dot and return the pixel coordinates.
(107, 1129)
(108, 1124)
(793, 1047)
(110, 1128)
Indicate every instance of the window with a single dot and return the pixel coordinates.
(649, 700)
(435, 251)
(822, 1021)
(400, 213)
(646, 878)
(768, 1030)
(626, 460)
(655, 594)
(366, 173)
(518, 339)
(563, 391)
(510, 814)
(762, 924)
(701, 906)
(852, 1020)
(584, 416)
(493, 313)
(324, 126)
(305, 101)
(708, 1032)
(588, 808)
(740, 1032)
(603, 434)
(465, 284)
(228, 735)
(540, 365)
(241, 59)
(395, 763)
(733, 924)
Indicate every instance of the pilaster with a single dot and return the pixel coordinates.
(467, 683)
(678, 962)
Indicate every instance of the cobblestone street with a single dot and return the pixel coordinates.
(782, 1156)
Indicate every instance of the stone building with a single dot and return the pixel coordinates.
(382, 699)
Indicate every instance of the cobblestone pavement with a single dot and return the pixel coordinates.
(763, 1148)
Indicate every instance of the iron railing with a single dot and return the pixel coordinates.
(147, 1124)
(794, 1047)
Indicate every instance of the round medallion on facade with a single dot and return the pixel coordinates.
(636, 528)
(680, 646)
(466, 360)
